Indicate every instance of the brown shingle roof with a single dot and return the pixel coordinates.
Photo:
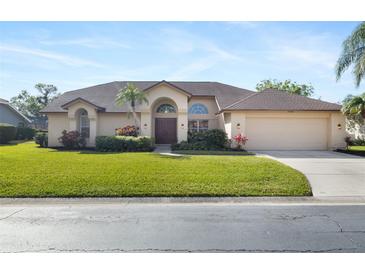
(228, 97)
(270, 99)
(104, 95)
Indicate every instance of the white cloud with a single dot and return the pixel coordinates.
(187, 71)
(95, 42)
(179, 41)
(49, 55)
(301, 50)
(187, 44)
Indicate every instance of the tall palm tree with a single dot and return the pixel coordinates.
(131, 95)
(353, 53)
(354, 106)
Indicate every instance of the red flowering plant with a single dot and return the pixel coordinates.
(240, 140)
(127, 131)
(72, 140)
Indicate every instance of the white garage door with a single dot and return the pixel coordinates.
(286, 133)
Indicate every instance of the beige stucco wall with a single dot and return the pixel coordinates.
(108, 122)
(227, 124)
(337, 130)
(57, 122)
(289, 130)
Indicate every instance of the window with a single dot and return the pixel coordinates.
(166, 108)
(84, 124)
(198, 109)
(198, 125)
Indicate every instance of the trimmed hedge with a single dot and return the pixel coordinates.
(213, 139)
(123, 143)
(7, 133)
(25, 133)
(41, 138)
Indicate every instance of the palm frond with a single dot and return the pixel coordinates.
(353, 51)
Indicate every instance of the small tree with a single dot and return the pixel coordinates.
(48, 93)
(287, 86)
(31, 105)
(131, 95)
(27, 104)
(354, 109)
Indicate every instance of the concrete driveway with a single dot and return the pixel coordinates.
(329, 173)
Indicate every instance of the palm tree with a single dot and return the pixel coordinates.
(131, 95)
(353, 53)
(354, 106)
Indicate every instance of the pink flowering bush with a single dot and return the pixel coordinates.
(240, 140)
(72, 140)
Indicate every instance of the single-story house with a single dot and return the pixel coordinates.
(270, 119)
(10, 115)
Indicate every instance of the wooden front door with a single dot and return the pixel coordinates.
(165, 130)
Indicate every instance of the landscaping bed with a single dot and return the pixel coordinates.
(27, 170)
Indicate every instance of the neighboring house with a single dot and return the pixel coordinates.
(270, 119)
(10, 115)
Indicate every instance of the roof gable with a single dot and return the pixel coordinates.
(78, 100)
(165, 83)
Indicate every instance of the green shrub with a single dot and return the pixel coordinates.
(41, 138)
(72, 139)
(354, 142)
(123, 143)
(25, 133)
(7, 133)
(213, 139)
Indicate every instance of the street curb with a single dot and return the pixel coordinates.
(347, 200)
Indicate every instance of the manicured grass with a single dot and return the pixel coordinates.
(357, 148)
(213, 152)
(29, 171)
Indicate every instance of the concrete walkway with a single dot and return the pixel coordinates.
(162, 149)
(329, 173)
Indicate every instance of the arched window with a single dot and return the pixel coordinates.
(84, 123)
(166, 108)
(198, 109)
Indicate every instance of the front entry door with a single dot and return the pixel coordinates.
(165, 130)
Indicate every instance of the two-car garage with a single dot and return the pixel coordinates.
(277, 120)
(285, 133)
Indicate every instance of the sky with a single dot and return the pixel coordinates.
(72, 55)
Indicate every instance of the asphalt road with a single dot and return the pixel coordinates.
(123, 227)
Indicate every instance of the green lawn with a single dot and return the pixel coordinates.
(29, 171)
(357, 148)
